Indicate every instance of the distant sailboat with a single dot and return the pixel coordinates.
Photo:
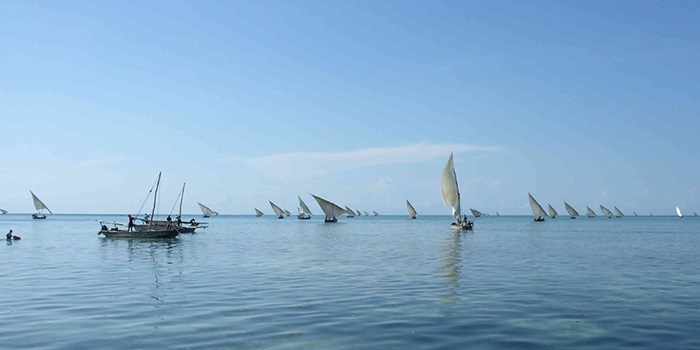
(278, 211)
(206, 211)
(331, 209)
(572, 212)
(304, 211)
(258, 213)
(635, 213)
(678, 211)
(359, 213)
(375, 213)
(552, 213)
(605, 211)
(694, 213)
(411, 210)
(366, 214)
(450, 195)
(618, 213)
(287, 213)
(536, 208)
(351, 213)
(3, 211)
(497, 214)
(40, 206)
(475, 213)
(590, 212)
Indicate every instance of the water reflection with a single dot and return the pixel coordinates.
(451, 267)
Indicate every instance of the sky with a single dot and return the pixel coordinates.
(358, 102)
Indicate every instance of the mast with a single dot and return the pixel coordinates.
(155, 198)
(179, 214)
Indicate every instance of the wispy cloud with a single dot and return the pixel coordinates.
(296, 166)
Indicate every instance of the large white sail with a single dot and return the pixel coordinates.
(475, 212)
(552, 213)
(258, 212)
(331, 209)
(411, 210)
(569, 209)
(278, 211)
(38, 204)
(605, 211)
(206, 211)
(450, 189)
(537, 210)
(590, 212)
(304, 209)
(618, 213)
(678, 212)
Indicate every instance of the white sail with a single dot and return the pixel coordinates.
(411, 210)
(331, 209)
(206, 211)
(569, 209)
(618, 213)
(366, 214)
(475, 212)
(678, 211)
(552, 213)
(38, 204)
(359, 213)
(304, 209)
(258, 212)
(606, 211)
(350, 212)
(278, 211)
(3, 211)
(590, 212)
(287, 213)
(375, 213)
(450, 189)
(537, 210)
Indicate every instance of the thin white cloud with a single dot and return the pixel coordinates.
(299, 165)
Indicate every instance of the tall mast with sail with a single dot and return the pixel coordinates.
(304, 211)
(206, 211)
(552, 213)
(589, 212)
(678, 212)
(569, 209)
(618, 213)
(278, 211)
(450, 194)
(40, 206)
(258, 213)
(411, 210)
(536, 208)
(605, 211)
(331, 209)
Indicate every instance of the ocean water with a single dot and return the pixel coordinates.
(382, 282)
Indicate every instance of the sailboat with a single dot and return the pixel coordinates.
(450, 195)
(375, 213)
(497, 214)
(678, 212)
(40, 206)
(150, 231)
(605, 211)
(3, 211)
(590, 212)
(287, 213)
(475, 213)
(331, 209)
(189, 227)
(351, 213)
(366, 214)
(278, 211)
(536, 208)
(572, 212)
(618, 213)
(258, 213)
(694, 213)
(304, 211)
(359, 213)
(635, 213)
(552, 213)
(206, 211)
(411, 210)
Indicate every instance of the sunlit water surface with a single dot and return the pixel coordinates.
(383, 282)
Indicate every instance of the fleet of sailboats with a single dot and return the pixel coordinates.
(206, 211)
(40, 206)
(411, 210)
(572, 212)
(536, 208)
(450, 195)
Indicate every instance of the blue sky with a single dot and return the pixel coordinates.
(359, 102)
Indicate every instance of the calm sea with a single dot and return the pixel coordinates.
(382, 282)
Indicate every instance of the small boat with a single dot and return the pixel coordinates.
(359, 213)
(475, 213)
(606, 211)
(40, 206)
(206, 211)
(552, 213)
(375, 213)
(3, 211)
(618, 213)
(278, 211)
(536, 208)
(589, 212)
(178, 224)
(258, 213)
(152, 231)
(572, 212)
(331, 209)
(351, 213)
(678, 212)
(411, 210)
(304, 211)
(450, 195)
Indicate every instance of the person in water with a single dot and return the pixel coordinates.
(9, 235)
(131, 224)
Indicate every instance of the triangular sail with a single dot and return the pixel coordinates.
(278, 211)
(605, 211)
(359, 213)
(411, 210)
(38, 204)
(331, 209)
(537, 210)
(678, 212)
(552, 213)
(287, 213)
(3, 211)
(366, 214)
(206, 211)
(618, 213)
(450, 189)
(375, 213)
(590, 212)
(569, 209)
(350, 212)
(475, 212)
(258, 212)
(304, 209)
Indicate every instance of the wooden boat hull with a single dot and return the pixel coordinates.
(139, 234)
(303, 217)
(38, 216)
(463, 226)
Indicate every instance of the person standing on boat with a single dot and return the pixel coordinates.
(145, 217)
(170, 222)
(131, 223)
